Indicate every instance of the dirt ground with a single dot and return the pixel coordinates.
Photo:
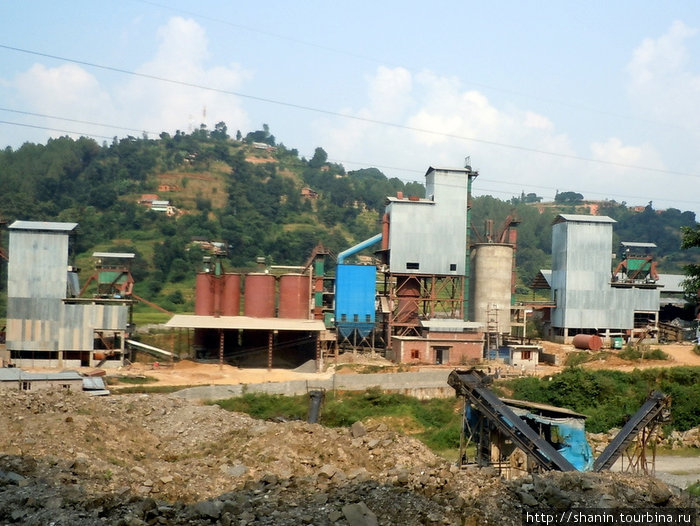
(187, 372)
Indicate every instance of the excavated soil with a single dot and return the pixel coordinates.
(133, 460)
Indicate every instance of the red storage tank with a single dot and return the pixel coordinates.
(590, 342)
(204, 294)
(231, 295)
(259, 295)
(294, 296)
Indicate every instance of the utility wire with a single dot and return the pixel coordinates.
(68, 119)
(374, 60)
(350, 116)
(478, 190)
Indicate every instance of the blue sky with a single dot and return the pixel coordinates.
(594, 97)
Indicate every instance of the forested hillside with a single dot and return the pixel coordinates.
(254, 196)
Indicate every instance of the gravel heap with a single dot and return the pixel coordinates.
(133, 460)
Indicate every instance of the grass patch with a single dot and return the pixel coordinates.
(679, 452)
(574, 359)
(134, 380)
(360, 368)
(435, 422)
(631, 353)
(694, 489)
(146, 389)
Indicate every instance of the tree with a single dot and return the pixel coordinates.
(690, 239)
(319, 159)
(568, 197)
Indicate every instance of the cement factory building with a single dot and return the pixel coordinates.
(48, 325)
(589, 298)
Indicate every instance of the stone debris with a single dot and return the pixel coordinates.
(128, 460)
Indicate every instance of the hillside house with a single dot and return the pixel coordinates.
(308, 193)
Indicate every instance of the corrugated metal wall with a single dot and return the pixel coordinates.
(37, 318)
(581, 271)
(431, 233)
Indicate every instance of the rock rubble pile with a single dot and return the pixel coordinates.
(134, 460)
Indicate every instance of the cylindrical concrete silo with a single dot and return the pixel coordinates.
(294, 296)
(231, 294)
(490, 285)
(204, 294)
(259, 295)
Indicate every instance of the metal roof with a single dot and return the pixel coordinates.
(45, 226)
(561, 411)
(12, 374)
(543, 279)
(192, 321)
(119, 255)
(447, 169)
(639, 245)
(450, 325)
(580, 218)
(671, 282)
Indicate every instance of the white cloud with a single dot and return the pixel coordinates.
(138, 103)
(438, 117)
(661, 83)
(661, 57)
(181, 56)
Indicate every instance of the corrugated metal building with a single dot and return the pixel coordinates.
(429, 236)
(587, 301)
(46, 324)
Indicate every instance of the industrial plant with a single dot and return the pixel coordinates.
(436, 290)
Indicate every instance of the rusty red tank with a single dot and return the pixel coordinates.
(294, 296)
(231, 294)
(259, 295)
(204, 294)
(589, 342)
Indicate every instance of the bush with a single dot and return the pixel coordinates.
(609, 398)
(632, 353)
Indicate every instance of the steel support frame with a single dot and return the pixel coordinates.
(439, 296)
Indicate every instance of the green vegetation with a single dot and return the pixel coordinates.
(251, 201)
(435, 422)
(136, 380)
(694, 489)
(140, 389)
(610, 397)
(632, 353)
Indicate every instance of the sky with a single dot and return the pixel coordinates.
(600, 98)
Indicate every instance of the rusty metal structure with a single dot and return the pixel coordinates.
(551, 438)
(424, 253)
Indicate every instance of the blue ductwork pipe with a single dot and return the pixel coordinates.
(360, 246)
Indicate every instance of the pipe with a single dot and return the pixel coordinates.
(385, 232)
(357, 248)
(315, 401)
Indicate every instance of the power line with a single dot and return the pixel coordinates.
(352, 117)
(476, 190)
(78, 121)
(374, 60)
(54, 129)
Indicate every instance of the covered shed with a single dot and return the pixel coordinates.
(253, 342)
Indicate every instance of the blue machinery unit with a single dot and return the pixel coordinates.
(552, 443)
(355, 291)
